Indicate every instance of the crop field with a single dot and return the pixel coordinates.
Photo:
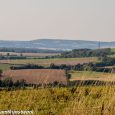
(36, 76)
(58, 61)
(61, 101)
(7, 66)
(30, 54)
(92, 75)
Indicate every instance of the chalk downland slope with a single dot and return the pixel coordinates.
(36, 76)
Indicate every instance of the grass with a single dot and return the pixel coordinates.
(61, 101)
(51, 60)
(112, 49)
(32, 57)
(28, 88)
(112, 56)
(90, 74)
(7, 66)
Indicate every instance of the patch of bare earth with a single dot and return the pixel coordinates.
(36, 76)
(4, 61)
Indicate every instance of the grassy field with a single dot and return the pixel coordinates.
(32, 57)
(92, 75)
(112, 49)
(61, 101)
(89, 74)
(112, 56)
(7, 66)
(51, 60)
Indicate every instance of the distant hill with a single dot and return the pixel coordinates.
(56, 44)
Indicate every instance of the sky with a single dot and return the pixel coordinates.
(57, 19)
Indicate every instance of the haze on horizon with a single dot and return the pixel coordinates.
(62, 19)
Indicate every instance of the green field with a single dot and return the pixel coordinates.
(112, 49)
(28, 88)
(7, 66)
(89, 74)
(112, 56)
(51, 60)
(61, 101)
(32, 57)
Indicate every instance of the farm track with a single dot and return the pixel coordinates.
(36, 76)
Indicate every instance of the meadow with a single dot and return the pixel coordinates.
(61, 101)
(7, 66)
(50, 60)
(92, 75)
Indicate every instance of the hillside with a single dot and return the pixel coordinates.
(56, 44)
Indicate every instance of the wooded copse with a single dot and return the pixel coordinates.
(75, 53)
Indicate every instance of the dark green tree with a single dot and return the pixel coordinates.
(0, 72)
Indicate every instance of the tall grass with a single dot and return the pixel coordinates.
(58, 101)
(83, 100)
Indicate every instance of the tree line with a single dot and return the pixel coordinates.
(76, 53)
(9, 83)
(29, 50)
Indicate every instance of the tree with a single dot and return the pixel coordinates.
(17, 83)
(21, 54)
(8, 54)
(0, 72)
(7, 82)
(52, 66)
(55, 83)
(22, 82)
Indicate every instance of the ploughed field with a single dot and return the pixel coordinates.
(36, 76)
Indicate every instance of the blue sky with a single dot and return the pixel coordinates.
(57, 19)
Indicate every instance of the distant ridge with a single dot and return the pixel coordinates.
(56, 44)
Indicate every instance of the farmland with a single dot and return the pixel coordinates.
(58, 61)
(7, 66)
(30, 54)
(92, 75)
(36, 76)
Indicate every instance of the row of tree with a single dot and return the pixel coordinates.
(29, 50)
(78, 83)
(75, 53)
(9, 83)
